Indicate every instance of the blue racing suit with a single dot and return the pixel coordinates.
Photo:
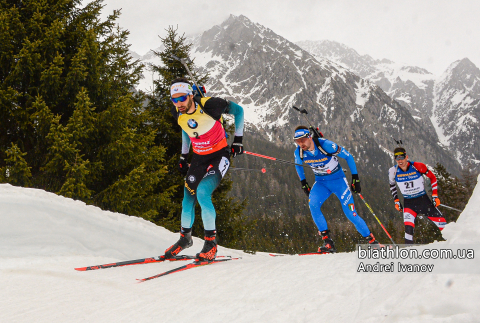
(329, 178)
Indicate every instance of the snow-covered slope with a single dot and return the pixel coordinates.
(44, 236)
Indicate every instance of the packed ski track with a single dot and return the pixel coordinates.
(43, 237)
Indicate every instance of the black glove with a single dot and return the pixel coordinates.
(183, 165)
(305, 187)
(356, 184)
(237, 147)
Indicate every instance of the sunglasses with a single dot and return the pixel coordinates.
(400, 157)
(301, 139)
(180, 98)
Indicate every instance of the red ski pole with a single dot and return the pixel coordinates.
(277, 159)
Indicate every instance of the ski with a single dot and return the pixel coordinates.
(135, 262)
(303, 254)
(188, 266)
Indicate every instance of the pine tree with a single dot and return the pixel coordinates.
(231, 224)
(16, 171)
(70, 122)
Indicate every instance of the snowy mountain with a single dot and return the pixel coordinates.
(411, 86)
(457, 111)
(362, 65)
(43, 237)
(382, 72)
(266, 74)
(444, 105)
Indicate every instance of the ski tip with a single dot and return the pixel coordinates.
(81, 269)
(225, 258)
(141, 280)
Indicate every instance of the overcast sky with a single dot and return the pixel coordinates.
(426, 33)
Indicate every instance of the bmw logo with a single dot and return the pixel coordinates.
(192, 124)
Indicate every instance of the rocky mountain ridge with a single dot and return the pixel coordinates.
(445, 105)
(267, 74)
(456, 113)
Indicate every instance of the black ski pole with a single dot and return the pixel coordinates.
(449, 207)
(184, 62)
(304, 112)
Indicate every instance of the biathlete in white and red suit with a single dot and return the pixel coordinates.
(407, 175)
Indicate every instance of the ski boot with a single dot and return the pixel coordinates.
(184, 242)
(209, 251)
(373, 242)
(328, 245)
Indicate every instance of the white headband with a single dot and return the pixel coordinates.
(181, 88)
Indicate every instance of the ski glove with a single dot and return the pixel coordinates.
(356, 184)
(237, 147)
(398, 206)
(436, 200)
(182, 164)
(305, 187)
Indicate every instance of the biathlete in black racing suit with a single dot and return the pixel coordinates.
(202, 127)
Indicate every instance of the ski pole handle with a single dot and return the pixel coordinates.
(304, 112)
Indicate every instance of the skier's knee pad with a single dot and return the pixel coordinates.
(409, 217)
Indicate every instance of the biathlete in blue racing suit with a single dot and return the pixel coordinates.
(322, 155)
